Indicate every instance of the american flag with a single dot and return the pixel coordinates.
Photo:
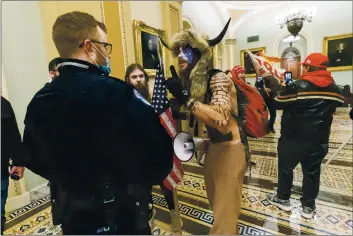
(160, 104)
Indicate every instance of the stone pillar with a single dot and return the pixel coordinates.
(229, 56)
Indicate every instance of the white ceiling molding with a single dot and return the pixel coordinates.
(253, 13)
(211, 16)
(222, 12)
(204, 17)
(244, 5)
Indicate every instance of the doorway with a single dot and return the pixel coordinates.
(291, 61)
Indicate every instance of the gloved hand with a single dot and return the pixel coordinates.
(176, 88)
(177, 114)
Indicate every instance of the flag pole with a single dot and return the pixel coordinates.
(176, 205)
(175, 195)
(175, 191)
(335, 153)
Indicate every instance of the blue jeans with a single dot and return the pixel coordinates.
(4, 193)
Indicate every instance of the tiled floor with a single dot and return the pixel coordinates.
(258, 217)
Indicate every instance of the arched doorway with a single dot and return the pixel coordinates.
(291, 61)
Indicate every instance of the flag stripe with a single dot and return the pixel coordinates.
(160, 103)
(168, 123)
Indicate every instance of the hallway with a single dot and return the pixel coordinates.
(258, 216)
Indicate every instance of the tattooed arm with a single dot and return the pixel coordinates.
(217, 113)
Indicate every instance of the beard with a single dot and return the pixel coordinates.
(144, 91)
(185, 73)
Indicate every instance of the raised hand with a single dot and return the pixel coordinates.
(176, 88)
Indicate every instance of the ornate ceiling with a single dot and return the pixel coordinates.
(214, 14)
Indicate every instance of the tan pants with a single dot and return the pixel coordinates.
(224, 171)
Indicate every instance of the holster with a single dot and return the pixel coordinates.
(110, 209)
(66, 206)
(141, 196)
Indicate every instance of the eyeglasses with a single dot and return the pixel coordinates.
(107, 46)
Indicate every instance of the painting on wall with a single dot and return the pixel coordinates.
(245, 60)
(147, 46)
(339, 50)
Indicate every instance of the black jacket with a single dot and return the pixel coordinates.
(308, 110)
(11, 141)
(273, 84)
(84, 127)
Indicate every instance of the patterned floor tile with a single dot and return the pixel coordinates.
(330, 218)
(41, 224)
(258, 216)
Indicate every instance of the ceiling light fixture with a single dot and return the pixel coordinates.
(294, 19)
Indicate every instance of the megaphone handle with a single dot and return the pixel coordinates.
(191, 122)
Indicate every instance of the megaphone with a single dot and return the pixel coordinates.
(185, 146)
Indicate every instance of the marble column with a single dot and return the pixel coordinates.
(229, 56)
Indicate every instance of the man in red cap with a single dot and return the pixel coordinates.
(308, 106)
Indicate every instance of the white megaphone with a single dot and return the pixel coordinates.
(185, 146)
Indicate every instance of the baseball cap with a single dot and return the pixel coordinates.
(317, 60)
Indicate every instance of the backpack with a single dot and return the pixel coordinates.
(252, 109)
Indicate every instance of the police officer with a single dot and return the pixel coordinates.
(83, 132)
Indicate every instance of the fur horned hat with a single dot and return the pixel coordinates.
(198, 77)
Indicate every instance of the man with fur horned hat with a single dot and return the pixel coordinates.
(212, 99)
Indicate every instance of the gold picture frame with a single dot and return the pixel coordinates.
(248, 65)
(141, 33)
(330, 45)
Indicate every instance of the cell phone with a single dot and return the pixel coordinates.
(288, 77)
(259, 78)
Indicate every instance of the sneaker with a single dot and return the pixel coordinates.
(308, 212)
(282, 204)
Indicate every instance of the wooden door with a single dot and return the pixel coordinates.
(292, 65)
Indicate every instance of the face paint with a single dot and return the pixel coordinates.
(188, 53)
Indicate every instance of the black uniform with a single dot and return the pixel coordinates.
(95, 137)
(11, 142)
(305, 129)
(11, 148)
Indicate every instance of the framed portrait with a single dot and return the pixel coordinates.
(339, 50)
(245, 60)
(148, 47)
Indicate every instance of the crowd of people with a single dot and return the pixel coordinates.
(102, 147)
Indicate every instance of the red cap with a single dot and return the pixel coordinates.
(317, 60)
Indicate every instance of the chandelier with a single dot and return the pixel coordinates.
(294, 19)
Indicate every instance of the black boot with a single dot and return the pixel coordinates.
(3, 220)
